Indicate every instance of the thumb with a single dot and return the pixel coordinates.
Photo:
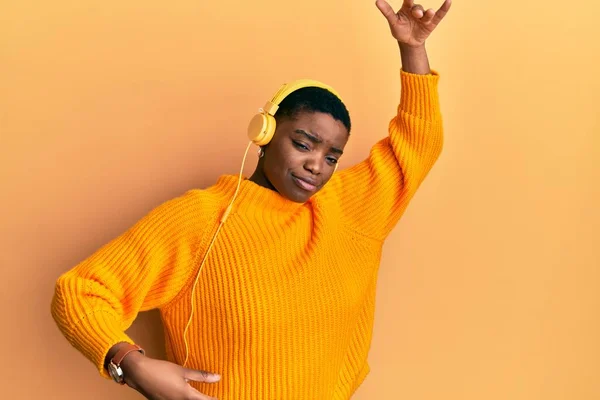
(200, 376)
(387, 11)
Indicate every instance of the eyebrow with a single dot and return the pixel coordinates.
(316, 139)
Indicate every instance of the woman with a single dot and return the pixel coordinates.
(280, 305)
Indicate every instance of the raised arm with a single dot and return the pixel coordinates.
(375, 193)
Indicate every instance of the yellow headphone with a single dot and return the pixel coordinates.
(260, 132)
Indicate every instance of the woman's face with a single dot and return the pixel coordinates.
(301, 157)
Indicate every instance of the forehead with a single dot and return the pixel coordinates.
(321, 125)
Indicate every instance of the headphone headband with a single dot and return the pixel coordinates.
(286, 89)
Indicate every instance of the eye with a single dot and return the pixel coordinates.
(300, 145)
(332, 160)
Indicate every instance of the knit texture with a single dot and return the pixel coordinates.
(284, 305)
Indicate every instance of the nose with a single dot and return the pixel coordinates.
(313, 165)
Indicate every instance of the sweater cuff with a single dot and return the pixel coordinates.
(419, 95)
(106, 334)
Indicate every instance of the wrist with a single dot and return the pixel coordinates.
(414, 58)
(131, 361)
(413, 48)
(129, 366)
(123, 358)
(112, 352)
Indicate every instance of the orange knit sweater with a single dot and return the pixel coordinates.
(285, 301)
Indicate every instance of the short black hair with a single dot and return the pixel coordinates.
(313, 99)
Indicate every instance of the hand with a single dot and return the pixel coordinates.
(163, 380)
(412, 25)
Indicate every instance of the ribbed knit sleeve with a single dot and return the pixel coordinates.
(374, 194)
(97, 300)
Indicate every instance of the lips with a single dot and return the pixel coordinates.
(307, 184)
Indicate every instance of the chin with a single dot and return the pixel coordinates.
(298, 197)
(295, 194)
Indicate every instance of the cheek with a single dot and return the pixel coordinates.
(282, 157)
(277, 163)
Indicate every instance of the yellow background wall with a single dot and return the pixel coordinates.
(488, 287)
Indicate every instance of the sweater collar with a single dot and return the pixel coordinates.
(252, 196)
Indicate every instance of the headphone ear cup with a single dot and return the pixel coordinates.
(261, 129)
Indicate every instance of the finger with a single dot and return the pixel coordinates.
(441, 12)
(200, 376)
(428, 16)
(387, 11)
(417, 11)
(408, 4)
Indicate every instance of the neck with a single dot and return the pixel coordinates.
(260, 178)
(253, 197)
